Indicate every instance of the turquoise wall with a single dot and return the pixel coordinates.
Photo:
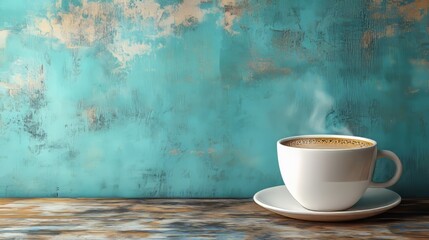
(187, 98)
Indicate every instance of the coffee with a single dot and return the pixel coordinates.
(331, 172)
(327, 143)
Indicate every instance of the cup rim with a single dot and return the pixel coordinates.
(279, 142)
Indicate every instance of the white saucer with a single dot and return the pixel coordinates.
(373, 202)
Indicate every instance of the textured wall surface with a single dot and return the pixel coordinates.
(159, 98)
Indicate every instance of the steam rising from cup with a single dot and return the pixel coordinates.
(323, 110)
(321, 116)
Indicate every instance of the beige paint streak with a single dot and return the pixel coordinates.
(3, 37)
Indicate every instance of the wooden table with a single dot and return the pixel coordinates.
(62, 218)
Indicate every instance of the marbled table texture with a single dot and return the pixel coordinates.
(65, 218)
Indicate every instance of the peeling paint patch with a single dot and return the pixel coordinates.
(367, 38)
(377, 2)
(211, 150)
(91, 115)
(167, 18)
(108, 23)
(3, 37)
(411, 11)
(390, 31)
(414, 11)
(12, 88)
(140, 10)
(33, 126)
(420, 62)
(370, 36)
(187, 14)
(267, 66)
(233, 9)
(81, 26)
(175, 151)
(28, 80)
(288, 39)
(125, 50)
(263, 68)
(412, 91)
(96, 120)
(201, 153)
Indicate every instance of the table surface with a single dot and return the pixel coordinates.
(65, 218)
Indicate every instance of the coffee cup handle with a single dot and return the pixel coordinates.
(391, 156)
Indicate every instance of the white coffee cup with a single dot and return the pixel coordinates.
(331, 172)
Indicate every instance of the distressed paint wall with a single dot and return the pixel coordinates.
(187, 98)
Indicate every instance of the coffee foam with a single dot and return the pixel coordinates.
(327, 143)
